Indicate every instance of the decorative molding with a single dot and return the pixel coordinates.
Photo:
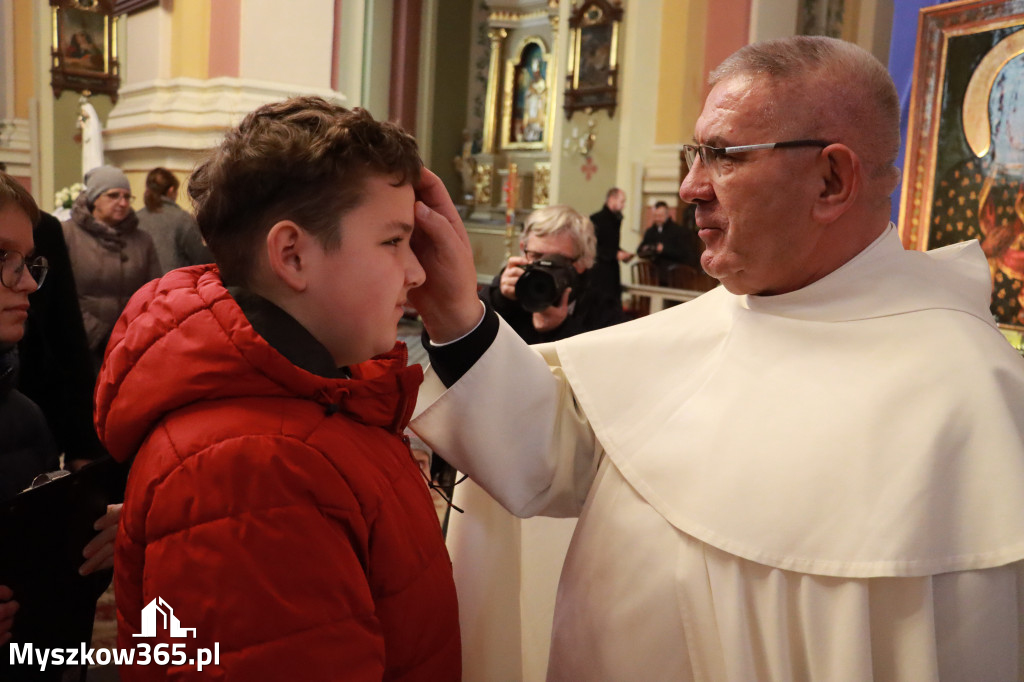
(131, 6)
(541, 184)
(661, 175)
(16, 146)
(483, 178)
(528, 16)
(188, 113)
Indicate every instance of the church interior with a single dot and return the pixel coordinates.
(567, 98)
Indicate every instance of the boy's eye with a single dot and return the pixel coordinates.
(394, 242)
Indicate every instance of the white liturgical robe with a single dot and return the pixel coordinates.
(821, 485)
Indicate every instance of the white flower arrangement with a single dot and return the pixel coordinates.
(66, 197)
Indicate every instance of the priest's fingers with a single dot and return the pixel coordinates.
(431, 191)
(447, 300)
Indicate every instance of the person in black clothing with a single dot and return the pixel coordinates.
(605, 276)
(28, 449)
(667, 243)
(555, 230)
(56, 369)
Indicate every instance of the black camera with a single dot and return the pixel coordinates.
(544, 281)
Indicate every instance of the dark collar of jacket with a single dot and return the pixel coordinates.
(285, 335)
(8, 368)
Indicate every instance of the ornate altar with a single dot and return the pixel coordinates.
(518, 118)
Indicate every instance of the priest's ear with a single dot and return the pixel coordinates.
(840, 171)
(287, 247)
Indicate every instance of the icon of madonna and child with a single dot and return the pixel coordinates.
(980, 193)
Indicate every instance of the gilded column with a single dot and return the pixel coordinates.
(497, 36)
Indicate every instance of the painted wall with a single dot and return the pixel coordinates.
(680, 69)
(586, 194)
(67, 148)
(190, 39)
(451, 84)
(290, 46)
(24, 87)
(146, 55)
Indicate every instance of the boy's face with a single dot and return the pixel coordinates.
(16, 236)
(358, 289)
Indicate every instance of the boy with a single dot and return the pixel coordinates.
(273, 504)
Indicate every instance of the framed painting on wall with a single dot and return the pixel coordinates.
(964, 169)
(84, 47)
(593, 57)
(526, 120)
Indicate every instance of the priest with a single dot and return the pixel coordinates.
(813, 472)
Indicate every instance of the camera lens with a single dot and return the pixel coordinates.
(543, 282)
(537, 290)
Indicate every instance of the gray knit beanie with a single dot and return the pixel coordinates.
(103, 178)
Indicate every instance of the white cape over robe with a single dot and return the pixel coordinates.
(826, 484)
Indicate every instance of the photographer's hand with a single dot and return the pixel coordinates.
(510, 275)
(447, 300)
(8, 607)
(553, 316)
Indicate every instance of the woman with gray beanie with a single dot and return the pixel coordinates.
(111, 258)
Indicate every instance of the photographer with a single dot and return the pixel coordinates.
(554, 300)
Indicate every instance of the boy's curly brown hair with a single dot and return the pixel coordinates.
(301, 159)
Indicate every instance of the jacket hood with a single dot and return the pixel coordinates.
(183, 339)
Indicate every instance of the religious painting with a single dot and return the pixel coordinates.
(593, 77)
(84, 49)
(964, 169)
(526, 114)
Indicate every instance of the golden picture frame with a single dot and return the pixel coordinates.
(962, 175)
(84, 47)
(528, 94)
(592, 81)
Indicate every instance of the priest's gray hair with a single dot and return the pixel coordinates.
(834, 90)
(551, 220)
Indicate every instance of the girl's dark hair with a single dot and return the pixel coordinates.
(301, 159)
(158, 182)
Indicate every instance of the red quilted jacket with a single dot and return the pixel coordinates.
(278, 513)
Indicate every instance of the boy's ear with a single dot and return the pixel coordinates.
(286, 251)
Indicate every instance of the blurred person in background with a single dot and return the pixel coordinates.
(561, 233)
(110, 257)
(174, 232)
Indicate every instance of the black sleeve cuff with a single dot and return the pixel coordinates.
(450, 362)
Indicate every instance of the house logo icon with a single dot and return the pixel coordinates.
(170, 623)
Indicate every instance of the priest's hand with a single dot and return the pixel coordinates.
(447, 301)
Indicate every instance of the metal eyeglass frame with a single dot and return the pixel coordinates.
(692, 151)
(37, 266)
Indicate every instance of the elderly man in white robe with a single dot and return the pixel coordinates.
(816, 471)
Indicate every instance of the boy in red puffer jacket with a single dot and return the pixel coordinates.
(273, 505)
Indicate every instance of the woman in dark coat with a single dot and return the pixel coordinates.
(110, 256)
